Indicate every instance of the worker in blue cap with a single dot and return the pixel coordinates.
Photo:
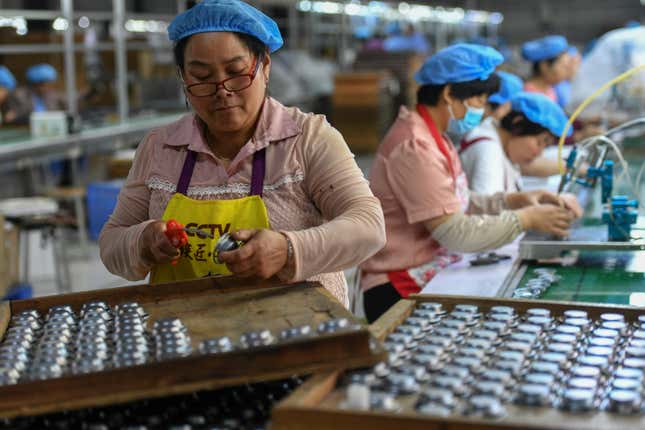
(7, 86)
(563, 88)
(549, 56)
(499, 104)
(492, 156)
(430, 215)
(279, 180)
(39, 95)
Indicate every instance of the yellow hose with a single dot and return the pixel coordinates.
(585, 103)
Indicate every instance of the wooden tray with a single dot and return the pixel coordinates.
(314, 405)
(208, 307)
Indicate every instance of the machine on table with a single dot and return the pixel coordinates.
(603, 259)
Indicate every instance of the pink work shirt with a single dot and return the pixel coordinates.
(550, 92)
(414, 182)
(313, 191)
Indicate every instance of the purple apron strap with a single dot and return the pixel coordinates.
(186, 172)
(257, 175)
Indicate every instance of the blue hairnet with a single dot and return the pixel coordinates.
(459, 63)
(6, 79)
(510, 85)
(226, 15)
(541, 110)
(545, 48)
(41, 73)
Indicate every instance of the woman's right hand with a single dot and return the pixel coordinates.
(155, 245)
(546, 218)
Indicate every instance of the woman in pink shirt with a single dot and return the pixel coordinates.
(429, 213)
(550, 59)
(282, 181)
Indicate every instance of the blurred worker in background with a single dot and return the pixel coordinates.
(550, 59)
(563, 88)
(492, 153)
(7, 85)
(39, 96)
(409, 40)
(499, 104)
(429, 213)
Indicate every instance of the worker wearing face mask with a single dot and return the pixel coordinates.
(430, 216)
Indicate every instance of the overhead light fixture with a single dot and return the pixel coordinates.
(84, 22)
(17, 22)
(60, 24)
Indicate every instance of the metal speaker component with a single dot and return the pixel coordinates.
(380, 401)
(534, 394)
(488, 406)
(538, 312)
(431, 306)
(216, 345)
(583, 383)
(499, 376)
(545, 379)
(337, 325)
(430, 362)
(296, 332)
(466, 308)
(225, 243)
(60, 310)
(257, 338)
(438, 395)
(585, 372)
(624, 402)
(627, 384)
(451, 383)
(415, 331)
(402, 383)
(577, 400)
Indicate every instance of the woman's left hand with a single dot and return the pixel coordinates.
(532, 198)
(263, 255)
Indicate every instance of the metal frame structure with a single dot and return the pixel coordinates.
(120, 45)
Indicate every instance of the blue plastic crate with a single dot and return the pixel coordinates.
(101, 200)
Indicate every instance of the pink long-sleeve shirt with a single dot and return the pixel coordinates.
(313, 191)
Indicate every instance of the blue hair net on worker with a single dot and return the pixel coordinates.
(509, 85)
(6, 79)
(226, 15)
(545, 48)
(459, 63)
(41, 73)
(541, 110)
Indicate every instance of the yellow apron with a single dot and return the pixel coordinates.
(214, 216)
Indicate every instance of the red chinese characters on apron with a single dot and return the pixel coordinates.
(412, 280)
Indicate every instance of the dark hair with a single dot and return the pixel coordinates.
(518, 124)
(549, 62)
(257, 48)
(429, 94)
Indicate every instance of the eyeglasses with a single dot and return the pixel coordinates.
(232, 84)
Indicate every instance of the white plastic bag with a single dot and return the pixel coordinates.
(615, 53)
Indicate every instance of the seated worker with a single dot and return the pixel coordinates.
(563, 88)
(7, 85)
(280, 180)
(550, 59)
(39, 96)
(429, 213)
(491, 154)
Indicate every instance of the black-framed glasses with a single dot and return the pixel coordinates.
(232, 84)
